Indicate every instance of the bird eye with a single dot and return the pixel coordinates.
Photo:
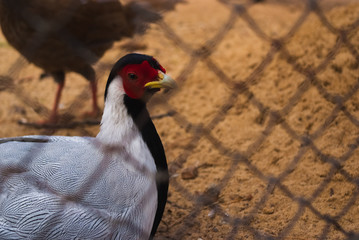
(132, 76)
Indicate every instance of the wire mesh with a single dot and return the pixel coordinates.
(288, 181)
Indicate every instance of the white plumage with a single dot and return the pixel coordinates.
(41, 200)
(56, 187)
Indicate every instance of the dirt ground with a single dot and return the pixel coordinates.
(215, 123)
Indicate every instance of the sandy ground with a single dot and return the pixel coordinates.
(215, 121)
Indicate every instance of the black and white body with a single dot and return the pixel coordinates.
(113, 186)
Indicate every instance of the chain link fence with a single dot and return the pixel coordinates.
(266, 153)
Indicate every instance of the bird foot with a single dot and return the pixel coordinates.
(45, 123)
(65, 121)
(95, 113)
(52, 120)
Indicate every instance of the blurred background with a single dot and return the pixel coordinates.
(262, 135)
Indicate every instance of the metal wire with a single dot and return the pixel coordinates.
(273, 119)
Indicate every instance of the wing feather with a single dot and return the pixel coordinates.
(66, 187)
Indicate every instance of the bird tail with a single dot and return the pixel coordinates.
(143, 12)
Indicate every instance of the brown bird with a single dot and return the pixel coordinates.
(71, 35)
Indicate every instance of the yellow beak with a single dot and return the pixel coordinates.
(164, 81)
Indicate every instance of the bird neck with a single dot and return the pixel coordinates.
(118, 128)
(122, 115)
(124, 118)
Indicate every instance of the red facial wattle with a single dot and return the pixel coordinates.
(135, 76)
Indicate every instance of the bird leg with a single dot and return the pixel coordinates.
(53, 116)
(60, 80)
(95, 109)
(89, 73)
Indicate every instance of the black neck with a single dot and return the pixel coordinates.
(137, 110)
